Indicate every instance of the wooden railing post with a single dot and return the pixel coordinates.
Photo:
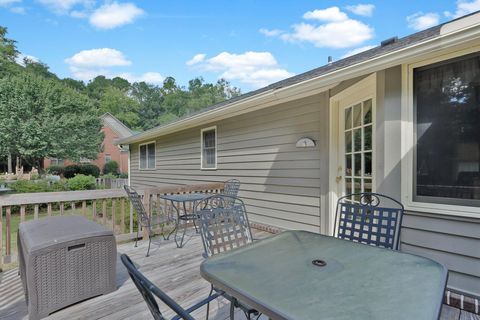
(146, 205)
(35, 212)
(104, 212)
(22, 213)
(131, 218)
(122, 215)
(8, 230)
(1, 238)
(114, 201)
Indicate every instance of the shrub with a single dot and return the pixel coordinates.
(56, 170)
(111, 167)
(123, 176)
(71, 170)
(81, 182)
(26, 186)
(89, 170)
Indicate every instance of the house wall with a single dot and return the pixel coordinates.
(109, 148)
(451, 240)
(287, 187)
(281, 184)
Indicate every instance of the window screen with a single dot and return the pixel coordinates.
(209, 146)
(447, 132)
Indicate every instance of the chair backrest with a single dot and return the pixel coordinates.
(137, 204)
(224, 224)
(369, 218)
(149, 291)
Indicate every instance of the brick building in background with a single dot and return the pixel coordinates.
(113, 130)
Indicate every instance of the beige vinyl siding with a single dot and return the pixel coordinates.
(280, 183)
(451, 240)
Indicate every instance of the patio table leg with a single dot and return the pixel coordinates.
(177, 224)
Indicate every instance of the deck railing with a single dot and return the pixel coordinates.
(109, 183)
(108, 207)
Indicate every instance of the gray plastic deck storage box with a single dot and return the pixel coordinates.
(64, 260)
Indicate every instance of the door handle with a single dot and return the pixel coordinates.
(338, 178)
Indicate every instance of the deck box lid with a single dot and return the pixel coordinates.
(45, 232)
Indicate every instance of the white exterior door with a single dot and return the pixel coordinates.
(355, 150)
(352, 143)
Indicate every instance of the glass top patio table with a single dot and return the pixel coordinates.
(179, 203)
(276, 276)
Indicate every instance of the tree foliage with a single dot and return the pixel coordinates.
(41, 118)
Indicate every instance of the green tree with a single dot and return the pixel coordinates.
(8, 47)
(150, 100)
(121, 106)
(44, 118)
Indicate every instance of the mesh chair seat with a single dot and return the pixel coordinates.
(369, 218)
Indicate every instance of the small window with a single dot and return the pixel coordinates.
(56, 162)
(209, 148)
(447, 131)
(147, 155)
(108, 158)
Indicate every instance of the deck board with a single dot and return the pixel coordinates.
(176, 271)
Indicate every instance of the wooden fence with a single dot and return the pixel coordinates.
(109, 183)
(109, 207)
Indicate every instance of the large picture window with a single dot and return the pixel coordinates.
(447, 132)
(209, 148)
(147, 155)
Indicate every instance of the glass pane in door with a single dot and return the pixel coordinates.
(358, 148)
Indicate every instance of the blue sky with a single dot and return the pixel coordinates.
(250, 43)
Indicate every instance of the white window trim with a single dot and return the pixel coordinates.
(408, 142)
(201, 148)
(139, 155)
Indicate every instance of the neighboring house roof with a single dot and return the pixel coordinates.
(273, 92)
(116, 125)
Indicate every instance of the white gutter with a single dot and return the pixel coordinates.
(451, 34)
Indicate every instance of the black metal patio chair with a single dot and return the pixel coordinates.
(369, 218)
(231, 189)
(224, 226)
(149, 291)
(144, 220)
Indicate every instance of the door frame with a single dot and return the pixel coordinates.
(367, 87)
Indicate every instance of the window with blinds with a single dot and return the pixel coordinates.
(209, 148)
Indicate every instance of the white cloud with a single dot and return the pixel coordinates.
(343, 34)
(87, 64)
(270, 32)
(148, 77)
(19, 59)
(18, 10)
(112, 15)
(463, 8)
(256, 69)
(357, 50)
(329, 14)
(421, 21)
(104, 57)
(334, 30)
(196, 59)
(5, 3)
(64, 6)
(365, 10)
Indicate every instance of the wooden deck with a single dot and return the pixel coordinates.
(174, 270)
